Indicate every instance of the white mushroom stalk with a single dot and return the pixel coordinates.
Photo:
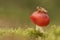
(38, 28)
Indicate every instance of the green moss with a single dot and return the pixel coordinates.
(30, 33)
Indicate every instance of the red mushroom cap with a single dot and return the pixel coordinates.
(40, 18)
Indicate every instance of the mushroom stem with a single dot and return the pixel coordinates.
(40, 29)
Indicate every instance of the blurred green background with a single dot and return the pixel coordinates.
(15, 13)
